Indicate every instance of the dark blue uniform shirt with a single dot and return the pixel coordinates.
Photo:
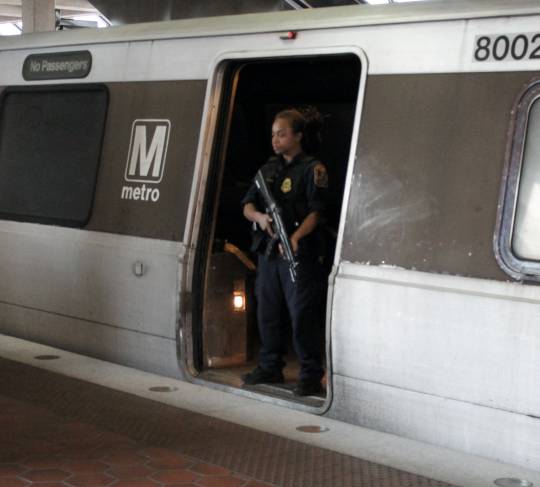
(299, 188)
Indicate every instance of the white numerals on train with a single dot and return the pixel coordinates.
(507, 47)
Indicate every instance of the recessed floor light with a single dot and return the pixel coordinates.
(46, 357)
(162, 389)
(311, 428)
(511, 482)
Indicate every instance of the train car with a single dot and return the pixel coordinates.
(125, 152)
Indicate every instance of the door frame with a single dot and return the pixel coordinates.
(205, 154)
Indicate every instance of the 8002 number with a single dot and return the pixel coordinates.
(507, 47)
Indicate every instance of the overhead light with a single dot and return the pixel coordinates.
(99, 20)
(10, 29)
(80, 21)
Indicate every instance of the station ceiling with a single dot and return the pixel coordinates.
(133, 11)
(130, 11)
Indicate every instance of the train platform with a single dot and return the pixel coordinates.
(68, 420)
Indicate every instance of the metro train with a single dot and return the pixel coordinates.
(125, 152)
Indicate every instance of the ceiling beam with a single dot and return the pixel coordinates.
(10, 10)
(76, 5)
(71, 12)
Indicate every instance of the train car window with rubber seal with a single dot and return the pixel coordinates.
(517, 238)
(50, 149)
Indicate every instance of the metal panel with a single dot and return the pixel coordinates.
(463, 339)
(126, 347)
(461, 426)
(447, 360)
(89, 276)
(428, 172)
(181, 103)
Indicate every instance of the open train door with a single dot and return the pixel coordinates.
(222, 340)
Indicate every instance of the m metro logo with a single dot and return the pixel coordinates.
(146, 158)
(147, 150)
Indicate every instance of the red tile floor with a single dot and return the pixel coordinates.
(59, 431)
(41, 449)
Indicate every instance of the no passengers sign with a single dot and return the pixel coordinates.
(57, 65)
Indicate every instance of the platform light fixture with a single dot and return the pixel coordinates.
(512, 482)
(163, 389)
(312, 428)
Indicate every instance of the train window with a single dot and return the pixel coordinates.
(526, 238)
(518, 249)
(50, 146)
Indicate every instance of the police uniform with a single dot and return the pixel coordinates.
(299, 188)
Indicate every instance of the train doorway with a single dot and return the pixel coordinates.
(225, 336)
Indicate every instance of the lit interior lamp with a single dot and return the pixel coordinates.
(239, 301)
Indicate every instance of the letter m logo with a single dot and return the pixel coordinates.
(147, 150)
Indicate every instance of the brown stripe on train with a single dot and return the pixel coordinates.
(428, 172)
(182, 103)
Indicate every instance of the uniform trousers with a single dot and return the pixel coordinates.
(277, 294)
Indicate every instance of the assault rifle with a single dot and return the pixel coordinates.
(280, 233)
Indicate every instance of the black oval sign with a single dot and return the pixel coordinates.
(57, 65)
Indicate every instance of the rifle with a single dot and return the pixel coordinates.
(280, 233)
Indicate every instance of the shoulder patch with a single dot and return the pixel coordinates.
(320, 176)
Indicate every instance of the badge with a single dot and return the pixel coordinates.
(320, 176)
(286, 185)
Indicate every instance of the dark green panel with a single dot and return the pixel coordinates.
(428, 172)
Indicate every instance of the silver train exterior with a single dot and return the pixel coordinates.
(432, 333)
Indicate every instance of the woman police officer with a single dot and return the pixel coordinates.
(299, 184)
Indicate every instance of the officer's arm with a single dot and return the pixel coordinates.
(316, 188)
(262, 219)
(306, 227)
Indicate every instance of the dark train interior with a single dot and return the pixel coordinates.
(225, 331)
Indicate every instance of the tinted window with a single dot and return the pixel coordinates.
(526, 236)
(50, 145)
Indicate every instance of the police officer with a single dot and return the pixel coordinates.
(298, 183)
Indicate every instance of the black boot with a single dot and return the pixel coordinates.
(308, 387)
(261, 376)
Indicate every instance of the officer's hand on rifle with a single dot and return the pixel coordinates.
(294, 246)
(265, 222)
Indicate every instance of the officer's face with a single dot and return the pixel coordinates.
(284, 140)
